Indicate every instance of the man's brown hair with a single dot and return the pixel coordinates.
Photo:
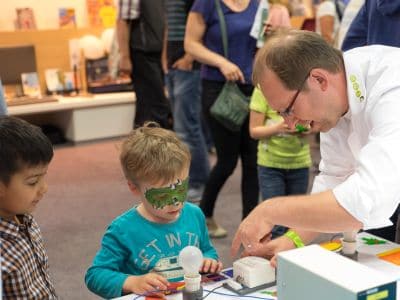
(292, 54)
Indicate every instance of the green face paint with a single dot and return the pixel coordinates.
(170, 195)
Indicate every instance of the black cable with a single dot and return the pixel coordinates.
(234, 295)
(211, 291)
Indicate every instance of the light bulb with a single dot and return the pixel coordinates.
(190, 259)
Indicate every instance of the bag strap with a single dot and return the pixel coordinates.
(222, 24)
(338, 10)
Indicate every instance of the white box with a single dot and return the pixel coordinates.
(252, 271)
(314, 273)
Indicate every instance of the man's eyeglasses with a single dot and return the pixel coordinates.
(288, 111)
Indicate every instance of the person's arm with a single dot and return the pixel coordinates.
(326, 25)
(164, 57)
(122, 29)
(270, 248)
(318, 212)
(103, 277)
(259, 131)
(356, 35)
(195, 30)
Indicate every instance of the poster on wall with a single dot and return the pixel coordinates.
(66, 17)
(25, 19)
(101, 13)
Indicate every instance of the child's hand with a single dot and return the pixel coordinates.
(211, 266)
(284, 128)
(150, 282)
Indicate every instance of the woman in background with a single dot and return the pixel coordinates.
(203, 40)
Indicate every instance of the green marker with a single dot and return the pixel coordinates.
(300, 128)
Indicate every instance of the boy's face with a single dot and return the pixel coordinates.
(24, 191)
(162, 203)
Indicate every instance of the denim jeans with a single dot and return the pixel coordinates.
(282, 182)
(184, 88)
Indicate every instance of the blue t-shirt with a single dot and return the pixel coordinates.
(241, 46)
(132, 245)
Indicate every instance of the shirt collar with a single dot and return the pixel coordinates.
(12, 228)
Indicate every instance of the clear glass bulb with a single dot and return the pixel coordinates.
(190, 259)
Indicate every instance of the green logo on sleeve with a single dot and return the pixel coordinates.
(356, 88)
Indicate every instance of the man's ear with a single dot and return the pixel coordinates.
(320, 77)
(133, 188)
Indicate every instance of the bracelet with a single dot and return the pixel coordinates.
(296, 239)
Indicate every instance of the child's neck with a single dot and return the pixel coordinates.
(8, 217)
(145, 214)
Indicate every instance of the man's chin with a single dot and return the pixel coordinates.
(320, 127)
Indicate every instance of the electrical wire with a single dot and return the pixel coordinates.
(233, 295)
(211, 291)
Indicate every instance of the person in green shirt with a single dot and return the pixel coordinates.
(283, 156)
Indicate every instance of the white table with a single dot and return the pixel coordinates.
(366, 256)
(83, 118)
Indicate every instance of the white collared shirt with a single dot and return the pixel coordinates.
(360, 157)
(128, 9)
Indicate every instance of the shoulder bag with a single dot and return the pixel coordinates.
(231, 106)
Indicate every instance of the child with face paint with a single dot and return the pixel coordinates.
(139, 251)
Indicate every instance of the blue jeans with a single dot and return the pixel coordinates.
(184, 88)
(282, 182)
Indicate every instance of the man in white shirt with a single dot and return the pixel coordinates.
(353, 99)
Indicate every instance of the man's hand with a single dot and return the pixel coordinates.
(185, 63)
(125, 65)
(149, 283)
(211, 266)
(252, 232)
(270, 248)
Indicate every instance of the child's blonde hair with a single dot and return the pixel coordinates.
(153, 154)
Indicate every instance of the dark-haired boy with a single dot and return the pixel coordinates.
(25, 153)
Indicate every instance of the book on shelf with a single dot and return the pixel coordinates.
(25, 18)
(93, 8)
(58, 81)
(30, 84)
(66, 17)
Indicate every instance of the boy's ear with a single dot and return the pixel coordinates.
(133, 188)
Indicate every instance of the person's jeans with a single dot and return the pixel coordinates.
(282, 182)
(184, 88)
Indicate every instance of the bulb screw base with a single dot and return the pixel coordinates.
(192, 295)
